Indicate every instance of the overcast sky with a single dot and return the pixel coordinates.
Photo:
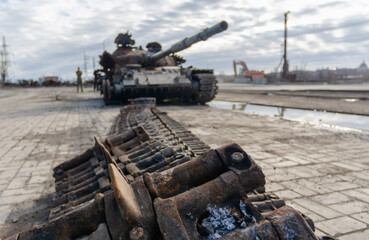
(49, 37)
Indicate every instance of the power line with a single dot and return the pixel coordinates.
(85, 58)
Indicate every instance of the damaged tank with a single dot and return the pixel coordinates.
(132, 72)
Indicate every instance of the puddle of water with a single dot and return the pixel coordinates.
(350, 99)
(314, 117)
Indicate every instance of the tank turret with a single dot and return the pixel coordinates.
(125, 53)
(187, 42)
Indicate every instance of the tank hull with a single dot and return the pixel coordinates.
(159, 92)
(164, 83)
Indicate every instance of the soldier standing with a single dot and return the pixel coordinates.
(79, 80)
(97, 75)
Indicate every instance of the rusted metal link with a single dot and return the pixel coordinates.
(121, 138)
(101, 232)
(269, 205)
(289, 224)
(60, 171)
(102, 184)
(122, 143)
(182, 177)
(177, 215)
(71, 205)
(82, 221)
(185, 136)
(143, 149)
(134, 204)
(283, 223)
(82, 181)
(82, 187)
(205, 168)
(90, 162)
(262, 197)
(165, 164)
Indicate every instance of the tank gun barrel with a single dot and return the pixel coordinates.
(187, 42)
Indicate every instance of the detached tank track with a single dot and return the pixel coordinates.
(207, 87)
(153, 179)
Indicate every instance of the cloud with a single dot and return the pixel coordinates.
(50, 37)
(354, 22)
(331, 4)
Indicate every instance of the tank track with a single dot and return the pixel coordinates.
(207, 87)
(153, 179)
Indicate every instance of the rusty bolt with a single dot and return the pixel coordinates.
(136, 233)
(237, 157)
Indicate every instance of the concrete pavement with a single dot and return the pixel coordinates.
(39, 129)
(322, 172)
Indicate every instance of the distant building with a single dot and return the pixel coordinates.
(363, 67)
(353, 73)
(338, 74)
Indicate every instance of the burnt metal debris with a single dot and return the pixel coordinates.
(132, 72)
(153, 179)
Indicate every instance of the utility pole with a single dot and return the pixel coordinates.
(93, 63)
(285, 62)
(4, 61)
(85, 58)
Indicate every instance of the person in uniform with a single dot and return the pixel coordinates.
(79, 80)
(97, 75)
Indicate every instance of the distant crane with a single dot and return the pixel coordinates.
(4, 61)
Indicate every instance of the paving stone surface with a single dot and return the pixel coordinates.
(322, 172)
(39, 129)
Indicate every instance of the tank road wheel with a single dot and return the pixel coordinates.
(106, 91)
(207, 87)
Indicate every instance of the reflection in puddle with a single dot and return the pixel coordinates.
(315, 117)
(350, 99)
